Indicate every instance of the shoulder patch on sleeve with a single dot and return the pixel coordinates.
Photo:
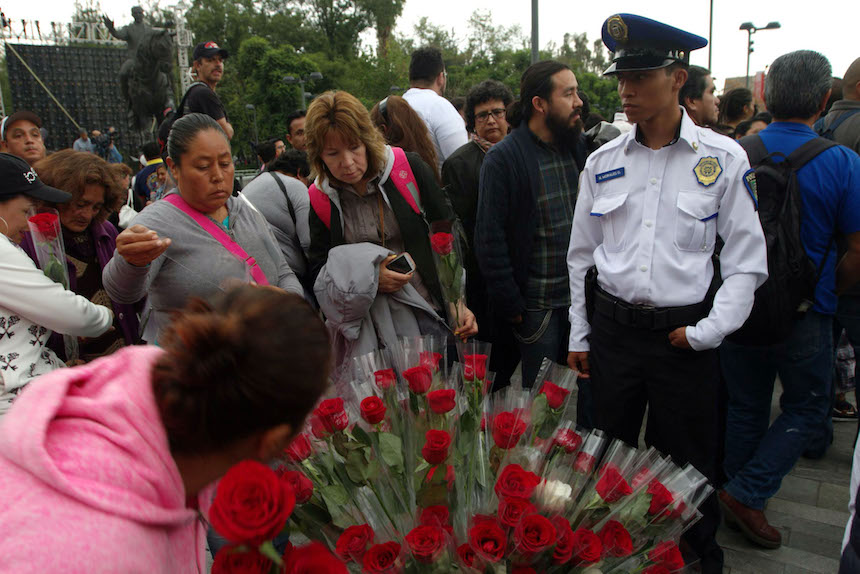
(750, 184)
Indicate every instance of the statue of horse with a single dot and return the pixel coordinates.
(149, 84)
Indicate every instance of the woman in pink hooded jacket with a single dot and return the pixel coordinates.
(104, 468)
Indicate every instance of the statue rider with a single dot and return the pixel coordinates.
(133, 34)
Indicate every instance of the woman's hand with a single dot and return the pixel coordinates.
(468, 325)
(391, 281)
(140, 246)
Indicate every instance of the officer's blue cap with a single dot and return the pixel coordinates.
(640, 43)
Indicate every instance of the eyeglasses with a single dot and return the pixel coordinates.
(498, 113)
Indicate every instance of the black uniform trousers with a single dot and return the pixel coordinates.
(632, 368)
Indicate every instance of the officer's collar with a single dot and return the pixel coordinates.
(687, 132)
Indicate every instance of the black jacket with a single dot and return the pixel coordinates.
(413, 227)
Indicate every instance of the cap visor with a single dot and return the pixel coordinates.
(631, 66)
(47, 193)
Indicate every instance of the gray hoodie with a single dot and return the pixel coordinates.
(195, 264)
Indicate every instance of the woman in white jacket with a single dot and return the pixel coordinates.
(31, 305)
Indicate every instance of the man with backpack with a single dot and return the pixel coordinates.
(808, 191)
(842, 122)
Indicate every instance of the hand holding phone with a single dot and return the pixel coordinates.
(392, 280)
(403, 263)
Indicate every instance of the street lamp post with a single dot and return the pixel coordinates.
(750, 30)
(301, 82)
(253, 109)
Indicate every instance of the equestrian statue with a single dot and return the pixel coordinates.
(145, 76)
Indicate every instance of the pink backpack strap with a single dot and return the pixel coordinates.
(404, 180)
(219, 235)
(321, 204)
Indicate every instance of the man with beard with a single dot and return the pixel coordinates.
(527, 193)
(651, 204)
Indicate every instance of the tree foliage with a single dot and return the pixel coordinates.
(270, 39)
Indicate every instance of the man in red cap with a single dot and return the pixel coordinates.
(20, 135)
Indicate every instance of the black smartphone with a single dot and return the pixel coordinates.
(402, 264)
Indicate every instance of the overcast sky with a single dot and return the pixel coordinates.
(830, 30)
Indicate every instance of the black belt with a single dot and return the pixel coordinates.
(646, 316)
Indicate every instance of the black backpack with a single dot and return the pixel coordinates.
(171, 117)
(792, 276)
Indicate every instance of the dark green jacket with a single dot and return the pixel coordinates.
(414, 228)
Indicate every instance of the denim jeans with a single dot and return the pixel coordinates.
(544, 333)
(758, 457)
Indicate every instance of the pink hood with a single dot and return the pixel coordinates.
(87, 482)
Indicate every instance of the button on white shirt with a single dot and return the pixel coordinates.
(658, 215)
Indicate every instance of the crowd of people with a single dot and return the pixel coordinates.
(638, 251)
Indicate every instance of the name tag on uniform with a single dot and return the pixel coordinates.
(607, 175)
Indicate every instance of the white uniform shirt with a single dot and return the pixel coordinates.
(446, 126)
(649, 218)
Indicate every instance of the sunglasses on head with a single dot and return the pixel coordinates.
(383, 110)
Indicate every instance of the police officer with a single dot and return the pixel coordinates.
(650, 207)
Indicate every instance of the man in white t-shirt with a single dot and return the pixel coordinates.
(427, 79)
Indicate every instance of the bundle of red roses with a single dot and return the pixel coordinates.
(251, 507)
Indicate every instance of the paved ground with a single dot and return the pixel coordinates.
(811, 510)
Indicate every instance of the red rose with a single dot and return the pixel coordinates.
(568, 439)
(436, 444)
(508, 427)
(555, 395)
(303, 488)
(657, 569)
(435, 516)
(353, 542)
(317, 427)
(419, 379)
(475, 367)
(512, 509)
(449, 475)
(514, 481)
(430, 360)
(679, 510)
(229, 560)
(381, 558)
(299, 449)
(442, 401)
(616, 540)
(564, 547)
(489, 540)
(313, 558)
(587, 547)
(483, 423)
(612, 487)
(442, 243)
(426, 543)
(534, 533)
(467, 555)
(667, 554)
(583, 463)
(372, 410)
(332, 415)
(46, 224)
(385, 378)
(661, 498)
(251, 504)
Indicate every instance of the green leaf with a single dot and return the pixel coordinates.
(339, 440)
(317, 513)
(335, 497)
(267, 549)
(356, 466)
(422, 467)
(540, 410)
(361, 436)
(391, 449)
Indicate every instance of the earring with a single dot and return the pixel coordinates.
(6, 233)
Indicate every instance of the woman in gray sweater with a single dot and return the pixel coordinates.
(169, 256)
